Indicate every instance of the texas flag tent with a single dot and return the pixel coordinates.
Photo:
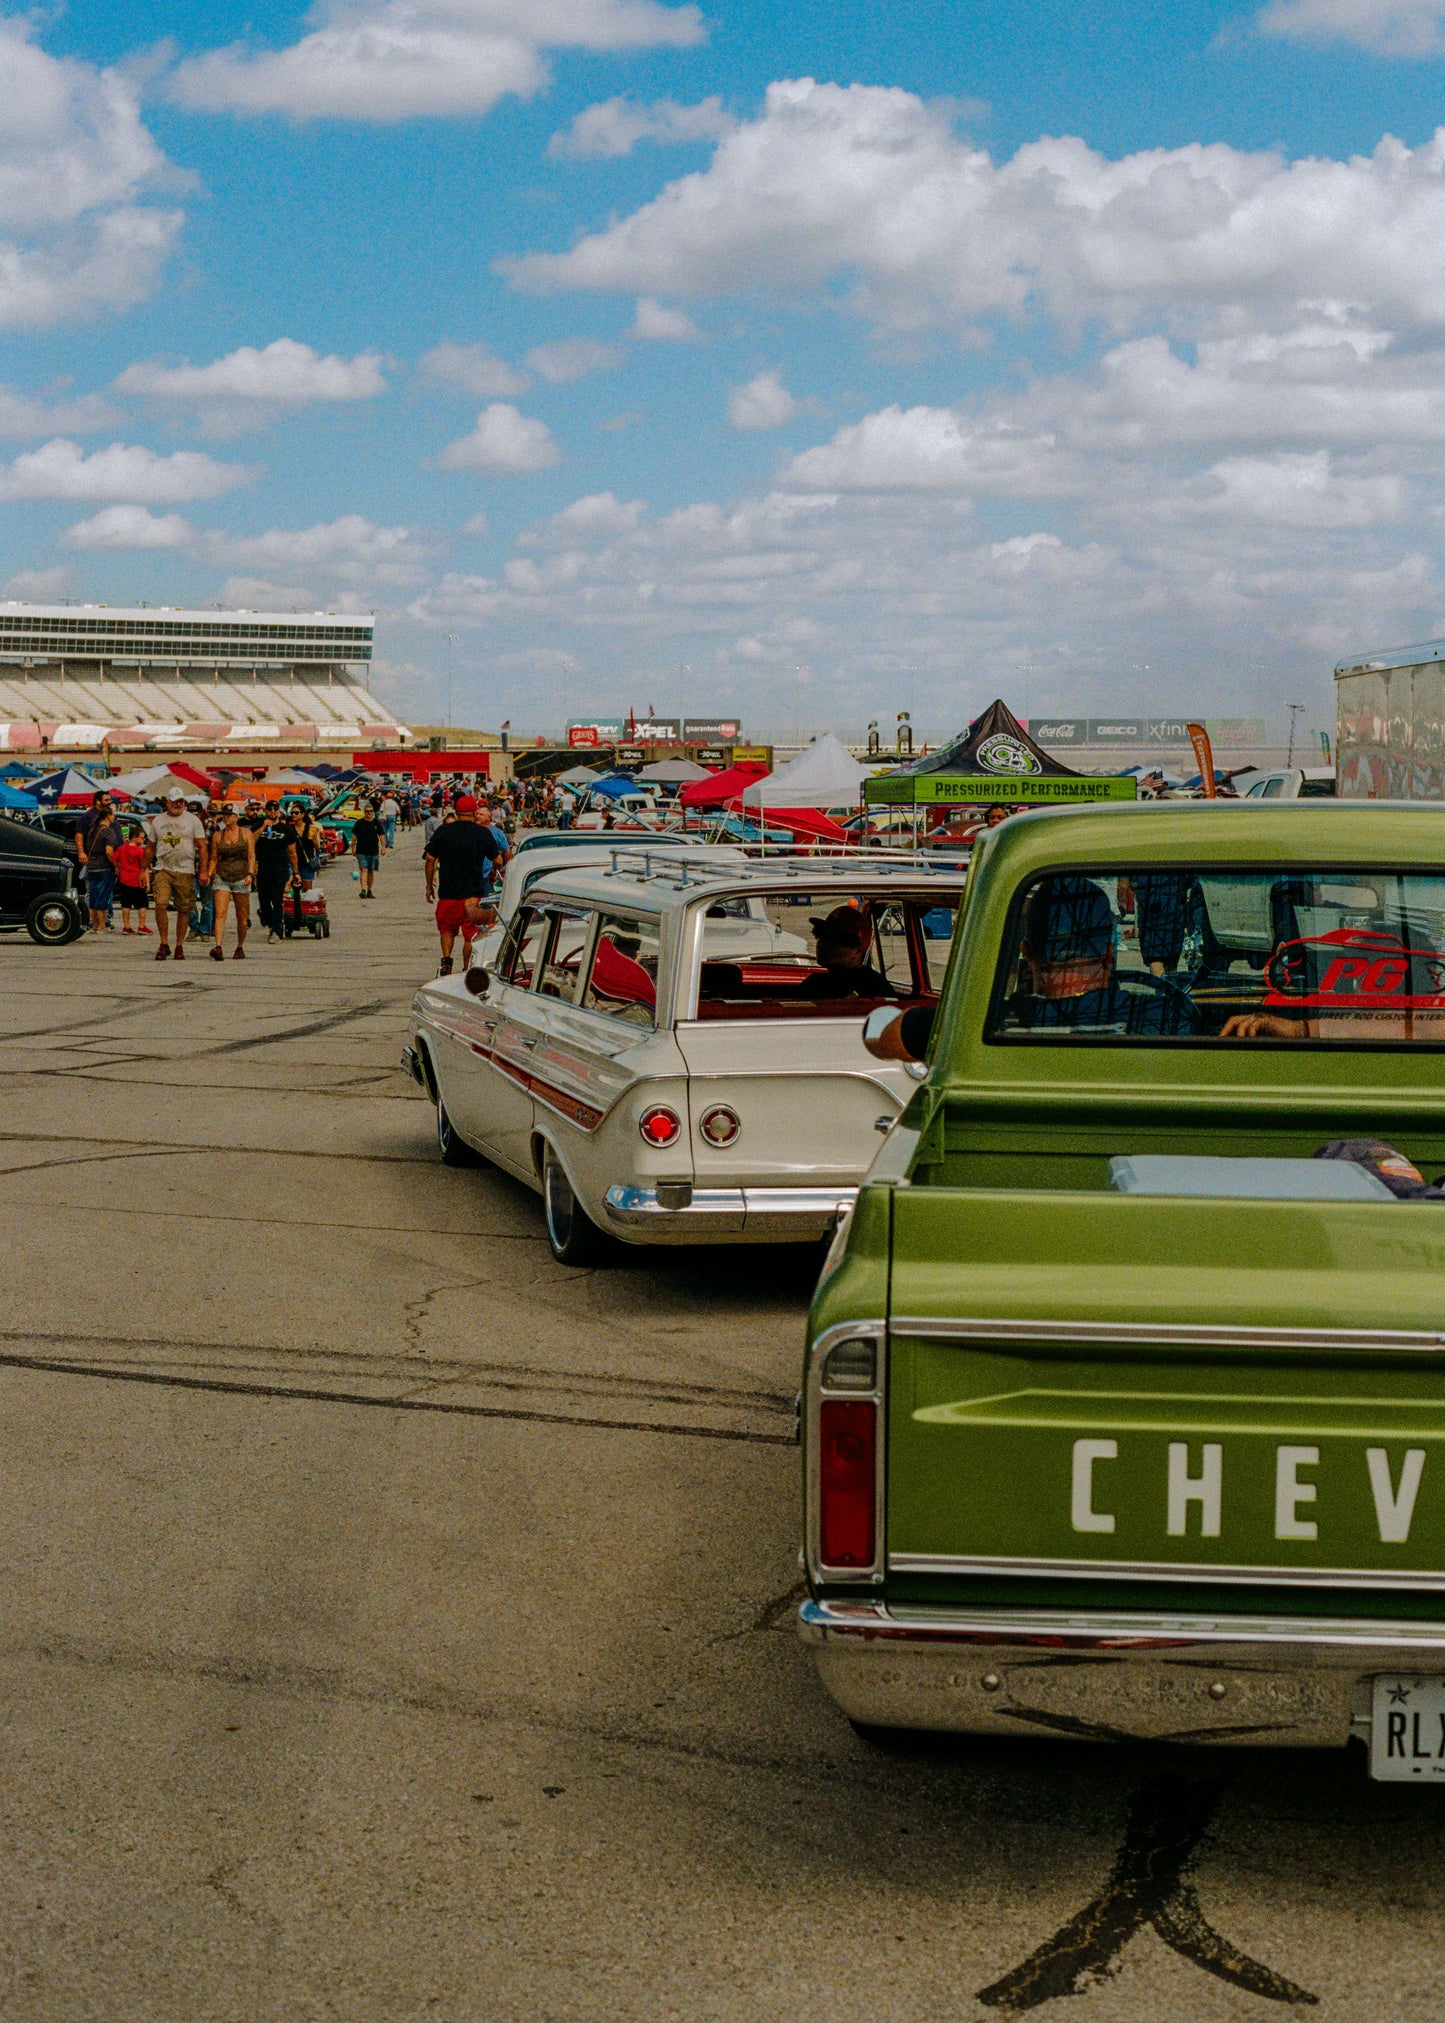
(65, 789)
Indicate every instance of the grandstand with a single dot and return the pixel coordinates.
(82, 677)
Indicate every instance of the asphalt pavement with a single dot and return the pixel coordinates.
(395, 1624)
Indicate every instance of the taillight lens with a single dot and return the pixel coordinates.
(847, 1482)
(659, 1125)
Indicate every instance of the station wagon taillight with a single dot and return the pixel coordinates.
(720, 1125)
(847, 1482)
(659, 1125)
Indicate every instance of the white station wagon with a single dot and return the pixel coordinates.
(660, 1052)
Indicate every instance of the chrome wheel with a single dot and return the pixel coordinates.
(572, 1235)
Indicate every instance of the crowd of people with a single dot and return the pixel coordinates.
(191, 867)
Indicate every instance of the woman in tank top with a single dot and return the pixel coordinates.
(233, 871)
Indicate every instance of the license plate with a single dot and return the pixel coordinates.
(1407, 1730)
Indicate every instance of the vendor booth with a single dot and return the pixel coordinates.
(994, 761)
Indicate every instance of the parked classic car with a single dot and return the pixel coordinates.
(1125, 1409)
(659, 1053)
(38, 885)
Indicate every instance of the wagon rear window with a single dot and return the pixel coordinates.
(1285, 954)
(822, 954)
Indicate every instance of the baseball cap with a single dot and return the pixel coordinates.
(174, 794)
(467, 804)
(1068, 920)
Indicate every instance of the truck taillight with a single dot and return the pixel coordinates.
(847, 1482)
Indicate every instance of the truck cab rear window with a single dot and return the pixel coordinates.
(1302, 955)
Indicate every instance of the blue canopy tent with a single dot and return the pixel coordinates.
(615, 786)
(18, 770)
(14, 802)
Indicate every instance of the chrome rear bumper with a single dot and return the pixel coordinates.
(679, 1213)
(1270, 1681)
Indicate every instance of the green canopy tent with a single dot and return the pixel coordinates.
(995, 760)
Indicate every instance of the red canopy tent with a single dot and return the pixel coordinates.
(718, 789)
(209, 783)
(808, 825)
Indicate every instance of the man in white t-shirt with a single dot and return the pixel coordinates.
(389, 810)
(176, 841)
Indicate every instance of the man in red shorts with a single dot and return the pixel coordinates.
(456, 864)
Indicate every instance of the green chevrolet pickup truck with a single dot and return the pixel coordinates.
(1124, 1400)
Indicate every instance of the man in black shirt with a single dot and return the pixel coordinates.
(276, 868)
(367, 842)
(456, 870)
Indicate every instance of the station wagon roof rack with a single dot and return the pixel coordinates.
(642, 867)
(673, 868)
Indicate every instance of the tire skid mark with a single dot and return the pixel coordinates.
(1148, 1885)
(315, 1394)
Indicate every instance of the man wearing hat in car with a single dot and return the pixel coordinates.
(843, 941)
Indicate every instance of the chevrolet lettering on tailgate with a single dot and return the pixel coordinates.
(1125, 1388)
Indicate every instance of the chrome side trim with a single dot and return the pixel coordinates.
(875, 1331)
(1403, 1579)
(1164, 1334)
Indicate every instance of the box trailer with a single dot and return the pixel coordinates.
(1390, 724)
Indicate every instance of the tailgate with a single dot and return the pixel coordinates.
(1167, 1390)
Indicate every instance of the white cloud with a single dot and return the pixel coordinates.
(1299, 491)
(259, 593)
(123, 472)
(599, 515)
(74, 158)
(616, 126)
(249, 386)
(471, 368)
(763, 403)
(40, 585)
(930, 449)
(24, 418)
(1388, 27)
(571, 358)
(351, 549)
(503, 441)
(130, 527)
(406, 59)
(873, 186)
(658, 324)
(478, 526)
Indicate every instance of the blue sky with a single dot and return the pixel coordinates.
(617, 351)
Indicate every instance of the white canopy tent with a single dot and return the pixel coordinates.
(673, 773)
(580, 776)
(826, 775)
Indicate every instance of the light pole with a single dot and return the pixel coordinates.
(451, 639)
(1296, 710)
